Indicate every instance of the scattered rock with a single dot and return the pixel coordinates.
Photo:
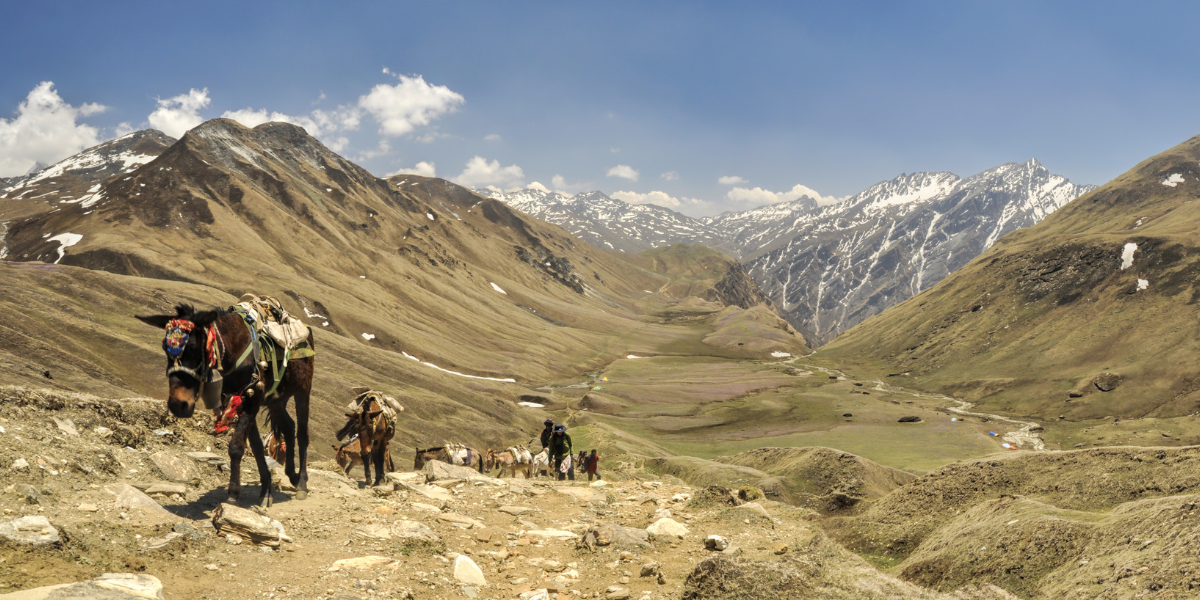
(755, 508)
(371, 532)
(20, 465)
(207, 458)
(132, 499)
(260, 530)
(162, 542)
(88, 507)
(606, 534)
(66, 426)
(731, 551)
(413, 530)
(32, 496)
(34, 530)
(541, 594)
(650, 569)
(667, 528)
(186, 530)
(716, 542)
(781, 548)
(431, 492)
(175, 468)
(515, 511)
(428, 507)
(1107, 382)
(1074, 394)
(362, 562)
(616, 592)
(847, 414)
(583, 494)
(457, 518)
(466, 571)
(384, 510)
(126, 435)
(384, 489)
(109, 586)
(103, 432)
(167, 489)
(911, 419)
(552, 533)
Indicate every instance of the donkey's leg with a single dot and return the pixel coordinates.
(260, 460)
(245, 430)
(302, 439)
(283, 422)
(378, 454)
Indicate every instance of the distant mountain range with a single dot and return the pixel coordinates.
(828, 268)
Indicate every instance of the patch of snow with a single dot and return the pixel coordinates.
(312, 315)
(368, 336)
(325, 324)
(431, 365)
(781, 354)
(1127, 255)
(362, 276)
(497, 288)
(531, 404)
(65, 240)
(430, 215)
(1174, 180)
(1143, 284)
(631, 356)
(329, 189)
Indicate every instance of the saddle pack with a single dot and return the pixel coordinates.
(275, 336)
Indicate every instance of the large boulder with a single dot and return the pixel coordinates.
(34, 530)
(667, 527)
(466, 571)
(1107, 382)
(436, 470)
(109, 586)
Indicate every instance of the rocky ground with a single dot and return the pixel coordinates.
(96, 486)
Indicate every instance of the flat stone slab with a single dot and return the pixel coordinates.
(167, 489)
(429, 491)
(552, 533)
(175, 468)
(413, 530)
(667, 527)
(457, 518)
(109, 586)
(138, 503)
(584, 494)
(515, 511)
(34, 530)
(466, 571)
(361, 562)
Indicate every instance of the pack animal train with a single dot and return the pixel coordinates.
(455, 454)
(372, 420)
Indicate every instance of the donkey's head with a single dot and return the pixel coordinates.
(188, 344)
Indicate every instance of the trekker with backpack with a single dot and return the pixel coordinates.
(560, 451)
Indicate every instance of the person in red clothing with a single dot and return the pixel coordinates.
(592, 465)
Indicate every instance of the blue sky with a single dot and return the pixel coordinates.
(830, 96)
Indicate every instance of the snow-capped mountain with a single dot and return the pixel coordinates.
(830, 268)
(613, 224)
(78, 179)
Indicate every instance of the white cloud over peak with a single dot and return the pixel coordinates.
(45, 130)
(401, 108)
(423, 168)
(539, 187)
(560, 184)
(732, 180)
(480, 172)
(624, 172)
(655, 197)
(759, 195)
(492, 137)
(177, 114)
(670, 175)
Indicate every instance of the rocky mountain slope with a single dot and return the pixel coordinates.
(449, 300)
(1088, 314)
(829, 269)
(76, 179)
(614, 224)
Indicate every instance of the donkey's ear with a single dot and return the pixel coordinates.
(374, 413)
(159, 321)
(352, 415)
(204, 319)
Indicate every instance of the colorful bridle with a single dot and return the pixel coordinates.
(179, 331)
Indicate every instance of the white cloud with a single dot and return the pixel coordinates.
(123, 129)
(624, 172)
(479, 172)
(655, 197)
(383, 148)
(176, 115)
(758, 195)
(670, 175)
(560, 184)
(492, 137)
(319, 123)
(401, 108)
(431, 136)
(423, 168)
(731, 180)
(539, 187)
(44, 130)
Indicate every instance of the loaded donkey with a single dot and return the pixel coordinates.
(371, 418)
(237, 361)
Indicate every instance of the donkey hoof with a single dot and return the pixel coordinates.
(301, 495)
